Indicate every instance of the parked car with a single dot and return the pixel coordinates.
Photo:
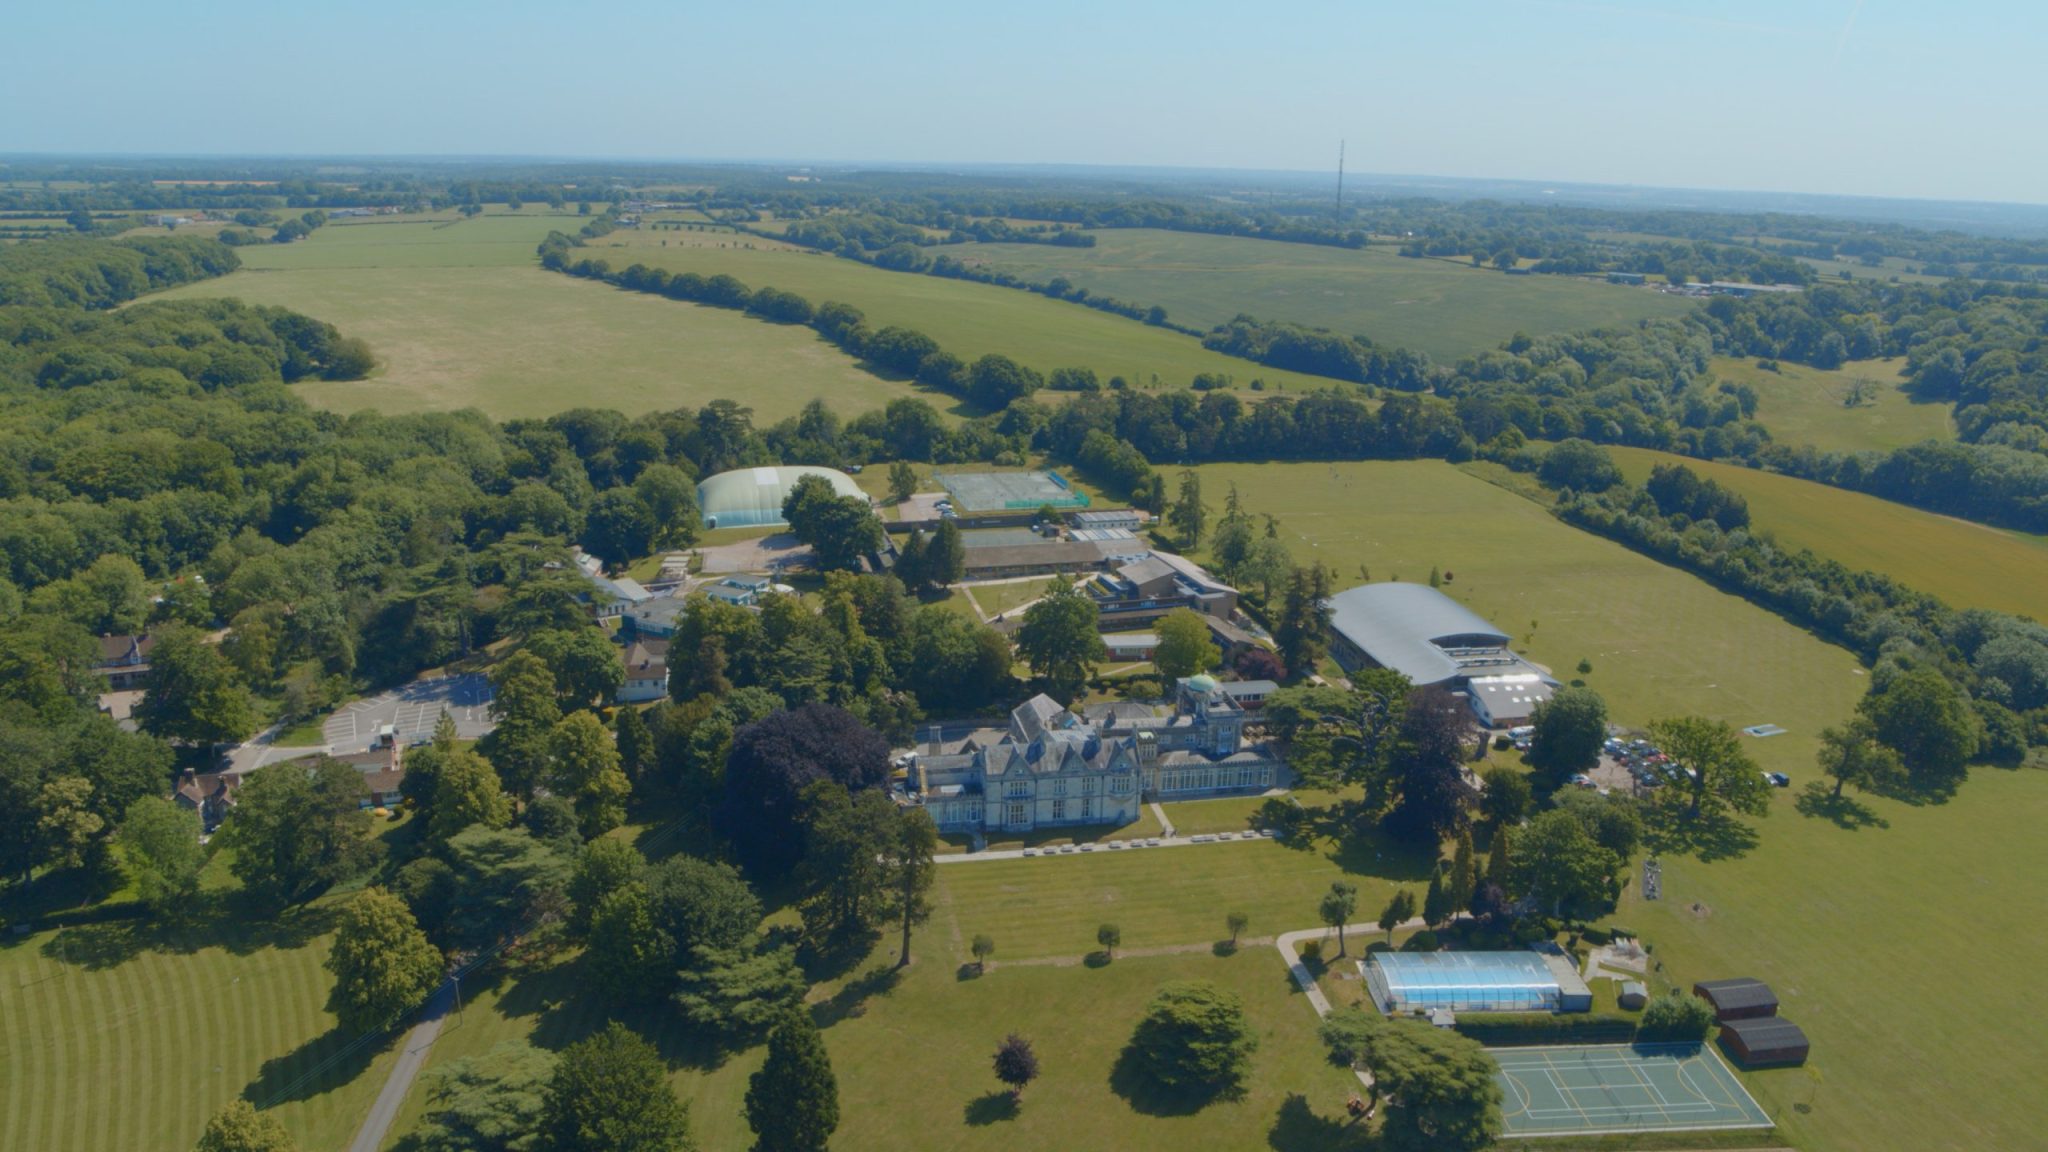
(1778, 779)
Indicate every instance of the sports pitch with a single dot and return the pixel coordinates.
(1600, 1089)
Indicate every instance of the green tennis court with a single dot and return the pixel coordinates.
(1612, 1088)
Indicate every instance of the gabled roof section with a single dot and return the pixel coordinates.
(1035, 717)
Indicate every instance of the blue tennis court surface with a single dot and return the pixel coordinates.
(1596, 1089)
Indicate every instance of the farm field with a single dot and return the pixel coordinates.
(461, 318)
(967, 319)
(1803, 405)
(1968, 565)
(1433, 306)
(123, 1036)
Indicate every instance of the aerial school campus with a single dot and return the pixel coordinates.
(587, 655)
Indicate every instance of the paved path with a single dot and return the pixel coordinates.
(1165, 824)
(411, 1058)
(1287, 942)
(1132, 845)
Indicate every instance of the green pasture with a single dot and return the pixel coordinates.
(1661, 642)
(967, 319)
(1445, 309)
(1802, 405)
(518, 341)
(128, 1035)
(1968, 565)
(489, 241)
(1897, 946)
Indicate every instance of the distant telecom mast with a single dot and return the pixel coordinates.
(1340, 184)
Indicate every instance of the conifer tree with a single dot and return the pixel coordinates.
(793, 1101)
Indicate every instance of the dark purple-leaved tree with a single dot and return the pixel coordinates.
(773, 760)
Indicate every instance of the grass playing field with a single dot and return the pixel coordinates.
(126, 1036)
(460, 315)
(1802, 405)
(912, 1054)
(1968, 565)
(967, 319)
(1433, 306)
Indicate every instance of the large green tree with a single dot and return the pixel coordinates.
(487, 1103)
(587, 669)
(1570, 728)
(611, 1092)
(912, 844)
(1560, 866)
(1194, 1039)
(792, 1102)
(605, 866)
(382, 963)
(1852, 754)
(702, 904)
(739, 992)
(584, 768)
(191, 693)
(1924, 718)
(1717, 776)
(1059, 638)
(839, 529)
(524, 704)
(630, 959)
(1184, 645)
(1438, 1087)
(845, 873)
(160, 843)
(296, 828)
(240, 1128)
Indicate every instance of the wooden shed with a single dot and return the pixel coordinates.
(1743, 998)
(1764, 1040)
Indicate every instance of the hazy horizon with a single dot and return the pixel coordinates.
(1864, 98)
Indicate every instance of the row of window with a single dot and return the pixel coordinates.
(1209, 779)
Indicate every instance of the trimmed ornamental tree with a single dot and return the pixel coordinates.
(1194, 1040)
(383, 964)
(1337, 908)
(1109, 936)
(1016, 1064)
(793, 1101)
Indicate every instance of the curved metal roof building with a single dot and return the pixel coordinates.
(751, 497)
(1419, 632)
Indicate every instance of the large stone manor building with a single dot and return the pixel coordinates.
(1049, 767)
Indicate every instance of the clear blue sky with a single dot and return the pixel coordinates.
(1884, 98)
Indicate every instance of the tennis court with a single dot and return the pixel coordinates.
(1592, 1090)
(1010, 491)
